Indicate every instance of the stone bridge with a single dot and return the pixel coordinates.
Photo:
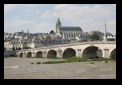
(84, 49)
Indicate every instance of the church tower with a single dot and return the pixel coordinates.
(58, 24)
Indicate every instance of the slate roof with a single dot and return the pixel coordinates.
(52, 32)
(66, 28)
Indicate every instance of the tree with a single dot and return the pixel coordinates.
(26, 47)
(94, 36)
(19, 48)
(13, 48)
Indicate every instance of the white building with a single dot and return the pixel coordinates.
(34, 43)
(17, 43)
(7, 45)
(111, 37)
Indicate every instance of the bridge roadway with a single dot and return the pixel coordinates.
(106, 49)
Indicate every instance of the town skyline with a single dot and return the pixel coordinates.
(41, 18)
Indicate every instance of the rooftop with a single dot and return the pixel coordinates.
(64, 28)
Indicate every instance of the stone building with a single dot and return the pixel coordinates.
(7, 45)
(68, 32)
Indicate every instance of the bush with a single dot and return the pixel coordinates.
(38, 63)
(53, 62)
(76, 59)
(32, 63)
(106, 61)
(55, 58)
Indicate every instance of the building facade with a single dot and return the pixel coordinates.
(68, 32)
(7, 45)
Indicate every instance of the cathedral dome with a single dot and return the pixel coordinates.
(52, 32)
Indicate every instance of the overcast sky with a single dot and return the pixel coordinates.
(41, 18)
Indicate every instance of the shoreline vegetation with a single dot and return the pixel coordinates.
(73, 59)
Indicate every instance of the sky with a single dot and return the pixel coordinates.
(41, 18)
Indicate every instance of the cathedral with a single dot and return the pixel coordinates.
(68, 32)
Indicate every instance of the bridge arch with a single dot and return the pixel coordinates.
(29, 54)
(113, 54)
(21, 55)
(12, 55)
(39, 54)
(92, 52)
(69, 52)
(52, 54)
(99, 53)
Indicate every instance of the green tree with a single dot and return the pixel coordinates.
(26, 47)
(94, 36)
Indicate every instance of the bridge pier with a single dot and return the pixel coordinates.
(78, 53)
(33, 55)
(105, 53)
(59, 54)
(24, 55)
(44, 54)
(17, 54)
(84, 49)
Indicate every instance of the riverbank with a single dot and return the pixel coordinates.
(21, 68)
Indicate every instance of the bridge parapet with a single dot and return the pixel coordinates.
(73, 44)
(77, 47)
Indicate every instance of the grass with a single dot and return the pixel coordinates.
(38, 63)
(53, 62)
(32, 63)
(75, 59)
(55, 58)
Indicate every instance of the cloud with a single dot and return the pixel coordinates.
(27, 5)
(38, 11)
(111, 26)
(69, 12)
(9, 7)
(43, 27)
(87, 17)
(28, 11)
(15, 22)
(62, 6)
